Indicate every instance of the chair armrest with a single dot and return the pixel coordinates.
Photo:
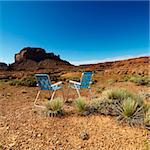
(74, 82)
(55, 84)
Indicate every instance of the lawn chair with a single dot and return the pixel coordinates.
(44, 83)
(83, 84)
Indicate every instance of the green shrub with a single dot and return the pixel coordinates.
(100, 89)
(146, 145)
(54, 105)
(147, 118)
(117, 95)
(107, 107)
(73, 78)
(111, 81)
(130, 111)
(80, 104)
(115, 101)
(146, 106)
(103, 106)
(14, 82)
(138, 80)
(28, 81)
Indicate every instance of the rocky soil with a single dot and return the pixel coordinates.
(24, 127)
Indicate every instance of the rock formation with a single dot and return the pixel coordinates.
(37, 58)
(3, 66)
(35, 54)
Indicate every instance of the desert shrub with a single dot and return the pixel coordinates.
(146, 145)
(103, 106)
(14, 82)
(28, 81)
(147, 118)
(126, 78)
(73, 78)
(146, 106)
(138, 79)
(107, 107)
(100, 89)
(111, 81)
(80, 104)
(130, 111)
(54, 105)
(54, 108)
(113, 99)
(117, 95)
(55, 78)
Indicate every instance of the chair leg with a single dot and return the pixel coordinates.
(53, 95)
(78, 92)
(37, 96)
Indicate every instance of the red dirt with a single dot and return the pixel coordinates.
(24, 127)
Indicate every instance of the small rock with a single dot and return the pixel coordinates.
(39, 135)
(7, 128)
(12, 144)
(86, 113)
(8, 94)
(84, 136)
(23, 91)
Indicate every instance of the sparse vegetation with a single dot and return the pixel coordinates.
(54, 107)
(100, 89)
(127, 107)
(147, 118)
(80, 104)
(117, 95)
(131, 112)
(111, 81)
(138, 79)
(27, 81)
(147, 145)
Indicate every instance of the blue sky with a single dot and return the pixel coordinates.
(79, 31)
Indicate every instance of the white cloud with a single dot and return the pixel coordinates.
(105, 60)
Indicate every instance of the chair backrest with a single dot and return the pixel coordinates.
(86, 79)
(43, 81)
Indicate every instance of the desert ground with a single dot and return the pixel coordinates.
(22, 126)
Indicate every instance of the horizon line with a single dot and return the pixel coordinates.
(96, 61)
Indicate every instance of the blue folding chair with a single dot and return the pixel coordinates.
(44, 83)
(85, 81)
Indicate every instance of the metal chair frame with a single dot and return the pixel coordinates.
(49, 87)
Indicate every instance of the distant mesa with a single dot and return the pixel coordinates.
(3, 66)
(36, 58)
(35, 54)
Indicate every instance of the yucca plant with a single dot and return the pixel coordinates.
(130, 112)
(54, 105)
(80, 104)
